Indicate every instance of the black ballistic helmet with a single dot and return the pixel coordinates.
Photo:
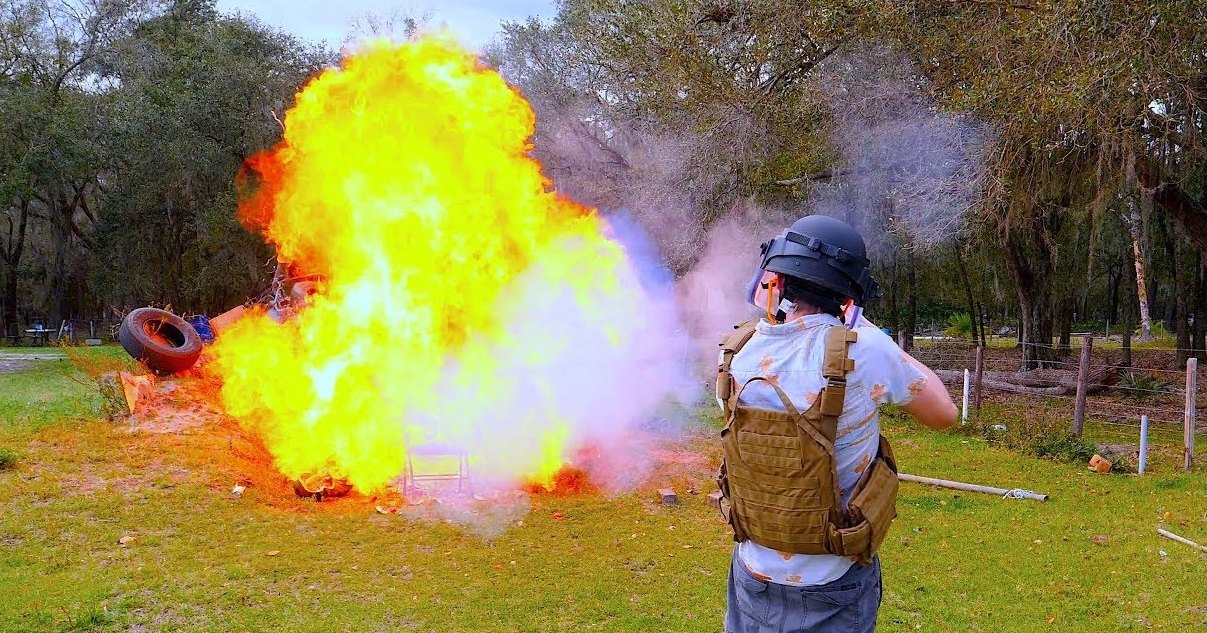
(826, 253)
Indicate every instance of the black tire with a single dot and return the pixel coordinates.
(162, 341)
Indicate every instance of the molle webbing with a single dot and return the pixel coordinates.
(730, 346)
(778, 475)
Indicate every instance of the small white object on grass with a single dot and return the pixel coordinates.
(1013, 493)
(1185, 541)
(238, 490)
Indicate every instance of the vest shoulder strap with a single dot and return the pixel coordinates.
(730, 346)
(836, 364)
(741, 335)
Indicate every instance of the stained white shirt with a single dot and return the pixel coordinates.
(790, 355)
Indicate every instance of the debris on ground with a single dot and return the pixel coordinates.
(164, 342)
(224, 320)
(125, 540)
(136, 388)
(238, 490)
(669, 498)
(320, 487)
(1100, 464)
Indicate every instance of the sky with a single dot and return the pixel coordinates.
(473, 22)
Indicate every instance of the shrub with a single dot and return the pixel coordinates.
(1141, 385)
(959, 325)
(8, 458)
(1063, 446)
(1032, 433)
(1158, 328)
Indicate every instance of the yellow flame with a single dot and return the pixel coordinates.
(404, 178)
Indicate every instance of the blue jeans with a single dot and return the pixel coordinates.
(845, 605)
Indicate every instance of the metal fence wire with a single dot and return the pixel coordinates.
(1113, 397)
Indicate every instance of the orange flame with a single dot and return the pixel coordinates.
(463, 301)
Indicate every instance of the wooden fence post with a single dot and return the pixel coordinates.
(980, 371)
(1083, 374)
(1192, 388)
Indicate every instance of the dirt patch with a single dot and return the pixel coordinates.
(177, 407)
(91, 479)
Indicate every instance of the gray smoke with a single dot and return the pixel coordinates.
(908, 170)
(713, 293)
(905, 173)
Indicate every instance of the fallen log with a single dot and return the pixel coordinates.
(1099, 380)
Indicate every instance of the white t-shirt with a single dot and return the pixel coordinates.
(790, 355)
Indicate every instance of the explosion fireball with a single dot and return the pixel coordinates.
(464, 302)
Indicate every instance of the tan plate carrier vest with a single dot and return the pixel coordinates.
(778, 482)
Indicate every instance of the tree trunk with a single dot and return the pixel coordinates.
(894, 323)
(1182, 291)
(1031, 266)
(61, 218)
(11, 254)
(1133, 221)
(1040, 329)
(1127, 311)
(979, 317)
(1169, 318)
(1173, 198)
(1112, 296)
(1064, 327)
(967, 283)
(11, 323)
(1199, 330)
(911, 310)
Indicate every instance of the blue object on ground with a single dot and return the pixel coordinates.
(201, 323)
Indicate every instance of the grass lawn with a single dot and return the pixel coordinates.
(203, 560)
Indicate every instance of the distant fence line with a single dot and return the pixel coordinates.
(65, 332)
(1143, 389)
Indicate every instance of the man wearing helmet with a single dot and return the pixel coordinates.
(809, 483)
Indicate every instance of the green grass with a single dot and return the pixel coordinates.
(200, 558)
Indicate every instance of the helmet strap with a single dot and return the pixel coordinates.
(777, 312)
(772, 286)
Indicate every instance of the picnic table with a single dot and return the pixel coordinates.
(39, 336)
